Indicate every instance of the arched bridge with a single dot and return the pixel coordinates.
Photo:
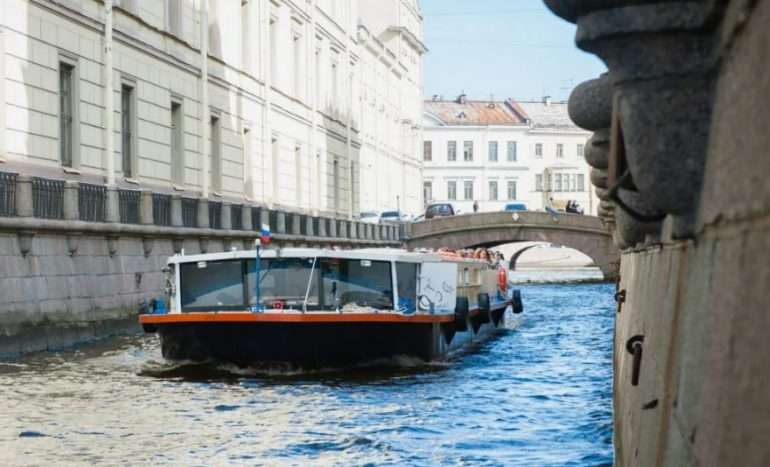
(586, 234)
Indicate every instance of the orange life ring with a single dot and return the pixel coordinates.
(502, 279)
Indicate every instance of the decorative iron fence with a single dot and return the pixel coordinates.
(7, 194)
(92, 202)
(48, 198)
(190, 212)
(215, 215)
(236, 217)
(128, 204)
(161, 209)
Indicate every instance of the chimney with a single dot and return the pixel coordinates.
(547, 100)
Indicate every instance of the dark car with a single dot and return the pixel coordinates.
(439, 210)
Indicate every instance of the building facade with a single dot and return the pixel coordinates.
(499, 152)
(296, 105)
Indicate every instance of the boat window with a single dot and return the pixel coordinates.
(406, 274)
(352, 285)
(283, 283)
(211, 285)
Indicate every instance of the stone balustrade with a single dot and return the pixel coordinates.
(29, 204)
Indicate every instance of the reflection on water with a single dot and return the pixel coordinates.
(537, 396)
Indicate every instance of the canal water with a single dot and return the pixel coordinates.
(539, 395)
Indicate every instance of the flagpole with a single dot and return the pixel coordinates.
(257, 270)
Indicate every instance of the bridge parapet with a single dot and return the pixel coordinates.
(587, 234)
(511, 219)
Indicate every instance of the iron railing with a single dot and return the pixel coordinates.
(215, 215)
(190, 212)
(161, 209)
(128, 205)
(92, 202)
(48, 198)
(236, 217)
(7, 194)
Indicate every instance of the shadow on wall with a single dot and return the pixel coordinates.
(342, 169)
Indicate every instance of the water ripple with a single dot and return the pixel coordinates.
(539, 395)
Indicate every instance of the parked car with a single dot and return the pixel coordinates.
(439, 210)
(370, 217)
(390, 216)
(513, 207)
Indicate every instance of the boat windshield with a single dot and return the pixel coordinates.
(283, 283)
(311, 284)
(354, 284)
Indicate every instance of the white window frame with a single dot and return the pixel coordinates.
(72, 62)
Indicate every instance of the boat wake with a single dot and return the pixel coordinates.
(207, 371)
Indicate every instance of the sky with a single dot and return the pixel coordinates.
(501, 48)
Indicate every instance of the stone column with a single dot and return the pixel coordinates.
(24, 206)
(71, 207)
(176, 211)
(296, 224)
(112, 210)
(145, 208)
(332, 227)
(309, 227)
(264, 218)
(203, 217)
(321, 227)
(246, 217)
(280, 222)
(227, 214)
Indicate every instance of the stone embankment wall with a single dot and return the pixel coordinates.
(681, 159)
(77, 259)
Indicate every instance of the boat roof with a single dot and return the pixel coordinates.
(376, 254)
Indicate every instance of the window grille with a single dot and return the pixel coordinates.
(161, 209)
(8, 194)
(92, 202)
(48, 198)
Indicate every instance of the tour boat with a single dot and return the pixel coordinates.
(319, 307)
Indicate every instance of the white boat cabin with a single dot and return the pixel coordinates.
(298, 280)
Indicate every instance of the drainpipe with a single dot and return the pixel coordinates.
(348, 45)
(109, 97)
(267, 75)
(2, 91)
(314, 165)
(2, 95)
(205, 117)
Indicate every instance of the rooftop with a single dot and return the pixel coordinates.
(544, 114)
(548, 115)
(474, 113)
